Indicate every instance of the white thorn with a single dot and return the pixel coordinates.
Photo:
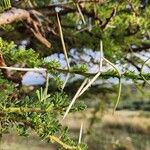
(74, 98)
(80, 134)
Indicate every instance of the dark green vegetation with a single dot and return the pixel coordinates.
(98, 45)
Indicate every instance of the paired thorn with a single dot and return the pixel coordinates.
(85, 85)
(74, 98)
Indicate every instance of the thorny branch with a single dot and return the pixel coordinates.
(105, 75)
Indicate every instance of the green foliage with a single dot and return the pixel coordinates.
(4, 5)
(37, 114)
(52, 65)
(6, 88)
(21, 56)
(7, 28)
(80, 68)
(40, 110)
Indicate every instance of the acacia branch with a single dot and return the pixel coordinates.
(105, 75)
(29, 17)
(64, 145)
(24, 110)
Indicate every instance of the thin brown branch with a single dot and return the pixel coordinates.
(143, 47)
(132, 63)
(108, 20)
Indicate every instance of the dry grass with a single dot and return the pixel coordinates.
(131, 121)
(125, 130)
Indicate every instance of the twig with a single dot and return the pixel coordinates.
(131, 62)
(24, 110)
(64, 145)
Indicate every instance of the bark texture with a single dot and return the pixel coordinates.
(30, 18)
